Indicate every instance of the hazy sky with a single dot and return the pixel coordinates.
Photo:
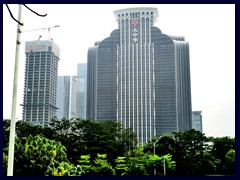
(210, 30)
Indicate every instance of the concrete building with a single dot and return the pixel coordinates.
(140, 77)
(197, 120)
(82, 74)
(40, 86)
(67, 97)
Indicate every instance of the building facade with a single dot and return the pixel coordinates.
(82, 74)
(91, 81)
(67, 97)
(40, 87)
(197, 120)
(140, 77)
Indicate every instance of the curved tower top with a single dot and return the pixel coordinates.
(135, 13)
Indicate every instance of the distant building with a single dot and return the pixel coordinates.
(67, 92)
(140, 77)
(91, 82)
(197, 120)
(82, 94)
(40, 83)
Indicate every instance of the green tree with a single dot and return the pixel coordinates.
(65, 131)
(170, 164)
(210, 163)
(33, 155)
(135, 163)
(6, 130)
(140, 163)
(24, 129)
(152, 163)
(5, 162)
(135, 167)
(220, 147)
(85, 164)
(189, 152)
(101, 167)
(90, 137)
(230, 162)
(64, 169)
(163, 145)
(121, 166)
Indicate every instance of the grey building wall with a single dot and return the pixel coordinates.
(197, 120)
(91, 82)
(140, 77)
(106, 84)
(40, 83)
(67, 92)
(82, 93)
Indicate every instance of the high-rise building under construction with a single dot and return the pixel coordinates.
(41, 69)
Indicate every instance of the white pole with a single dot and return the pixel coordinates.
(164, 166)
(154, 154)
(14, 99)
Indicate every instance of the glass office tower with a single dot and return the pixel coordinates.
(140, 77)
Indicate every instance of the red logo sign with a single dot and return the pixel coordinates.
(134, 22)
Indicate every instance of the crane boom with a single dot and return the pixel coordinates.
(42, 28)
(48, 28)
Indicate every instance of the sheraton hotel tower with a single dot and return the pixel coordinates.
(140, 77)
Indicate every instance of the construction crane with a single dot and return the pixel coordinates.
(48, 28)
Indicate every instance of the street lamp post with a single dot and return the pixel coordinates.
(14, 99)
(163, 158)
(154, 154)
(164, 166)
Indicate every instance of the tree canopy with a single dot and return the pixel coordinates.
(77, 147)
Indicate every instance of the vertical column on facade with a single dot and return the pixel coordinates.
(137, 46)
(94, 69)
(38, 86)
(141, 63)
(45, 86)
(145, 76)
(125, 75)
(153, 73)
(121, 66)
(149, 78)
(117, 80)
(32, 88)
(129, 74)
(133, 87)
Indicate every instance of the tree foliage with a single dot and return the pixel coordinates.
(33, 155)
(82, 137)
(189, 152)
(85, 164)
(76, 147)
(230, 162)
(121, 166)
(102, 167)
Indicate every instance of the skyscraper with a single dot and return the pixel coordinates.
(91, 81)
(82, 75)
(197, 120)
(41, 68)
(67, 92)
(140, 77)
